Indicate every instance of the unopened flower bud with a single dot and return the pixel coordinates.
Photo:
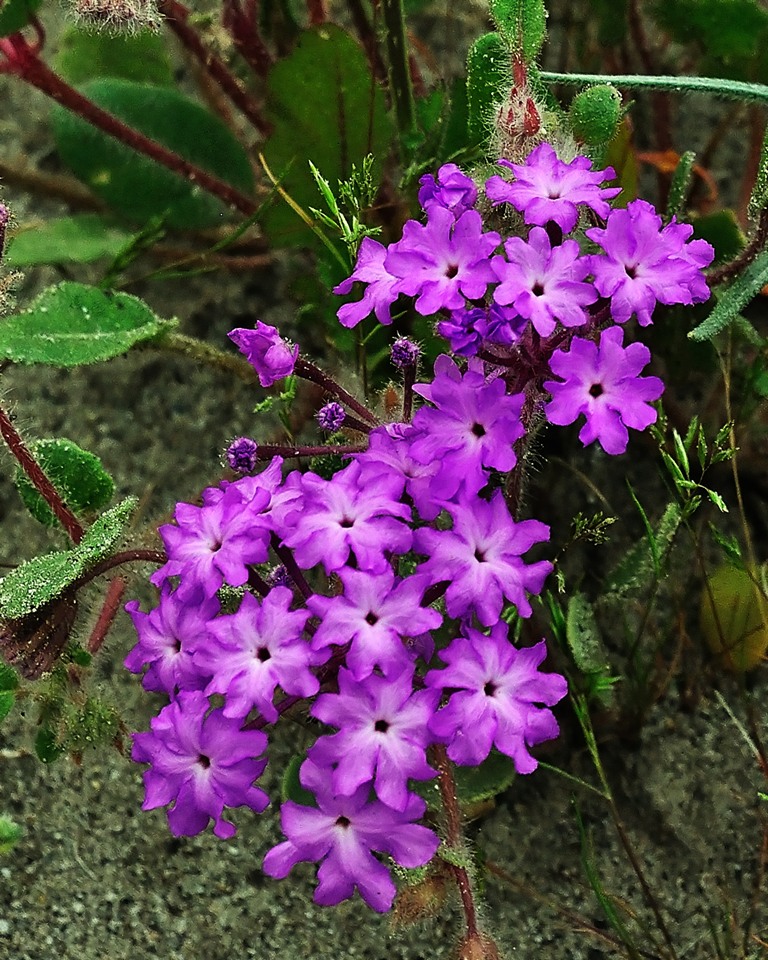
(404, 352)
(242, 455)
(331, 416)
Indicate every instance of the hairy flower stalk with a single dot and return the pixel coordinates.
(422, 510)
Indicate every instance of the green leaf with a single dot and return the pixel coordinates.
(492, 777)
(734, 299)
(326, 107)
(583, 636)
(47, 747)
(522, 23)
(132, 184)
(16, 14)
(72, 323)
(79, 239)
(643, 560)
(488, 82)
(9, 679)
(10, 834)
(38, 581)
(681, 183)
(79, 476)
(723, 231)
(86, 55)
(7, 700)
(292, 788)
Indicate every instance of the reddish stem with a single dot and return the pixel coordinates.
(107, 614)
(37, 476)
(243, 28)
(316, 12)
(177, 16)
(28, 67)
(308, 371)
(269, 450)
(453, 836)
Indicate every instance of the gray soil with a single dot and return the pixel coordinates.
(95, 878)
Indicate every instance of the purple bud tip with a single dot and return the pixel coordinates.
(242, 455)
(404, 352)
(331, 416)
(278, 577)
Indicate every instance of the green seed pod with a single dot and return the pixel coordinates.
(595, 114)
(734, 619)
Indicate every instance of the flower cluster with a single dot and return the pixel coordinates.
(380, 591)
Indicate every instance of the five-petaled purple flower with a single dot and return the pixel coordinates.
(603, 382)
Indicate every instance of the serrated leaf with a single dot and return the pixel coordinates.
(734, 299)
(7, 700)
(16, 14)
(492, 777)
(583, 636)
(132, 184)
(86, 55)
(681, 182)
(47, 747)
(79, 239)
(326, 107)
(639, 564)
(38, 581)
(79, 476)
(72, 323)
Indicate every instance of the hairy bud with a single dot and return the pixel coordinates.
(117, 16)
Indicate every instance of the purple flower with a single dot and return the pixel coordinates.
(545, 188)
(604, 383)
(444, 261)
(473, 425)
(374, 616)
(404, 353)
(390, 454)
(242, 455)
(497, 689)
(338, 516)
(480, 558)
(452, 189)
(270, 356)
(543, 284)
(380, 293)
(382, 735)
(644, 263)
(331, 416)
(199, 764)
(167, 636)
(344, 832)
(215, 543)
(251, 652)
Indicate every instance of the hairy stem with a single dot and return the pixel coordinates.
(730, 89)
(107, 614)
(399, 71)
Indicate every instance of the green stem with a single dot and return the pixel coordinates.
(399, 72)
(205, 353)
(730, 89)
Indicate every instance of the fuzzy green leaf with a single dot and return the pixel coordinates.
(79, 476)
(132, 184)
(80, 239)
(488, 81)
(38, 581)
(583, 636)
(522, 23)
(47, 747)
(326, 107)
(734, 299)
(681, 183)
(16, 14)
(723, 231)
(291, 786)
(72, 323)
(87, 55)
(645, 559)
(9, 679)
(595, 114)
(10, 834)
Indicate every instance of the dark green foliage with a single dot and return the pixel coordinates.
(681, 184)
(132, 184)
(326, 107)
(733, 299)
(15, 14)
(79, 476)
(79, 239)
(722, 230)
(291, 786)
(72, 323)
